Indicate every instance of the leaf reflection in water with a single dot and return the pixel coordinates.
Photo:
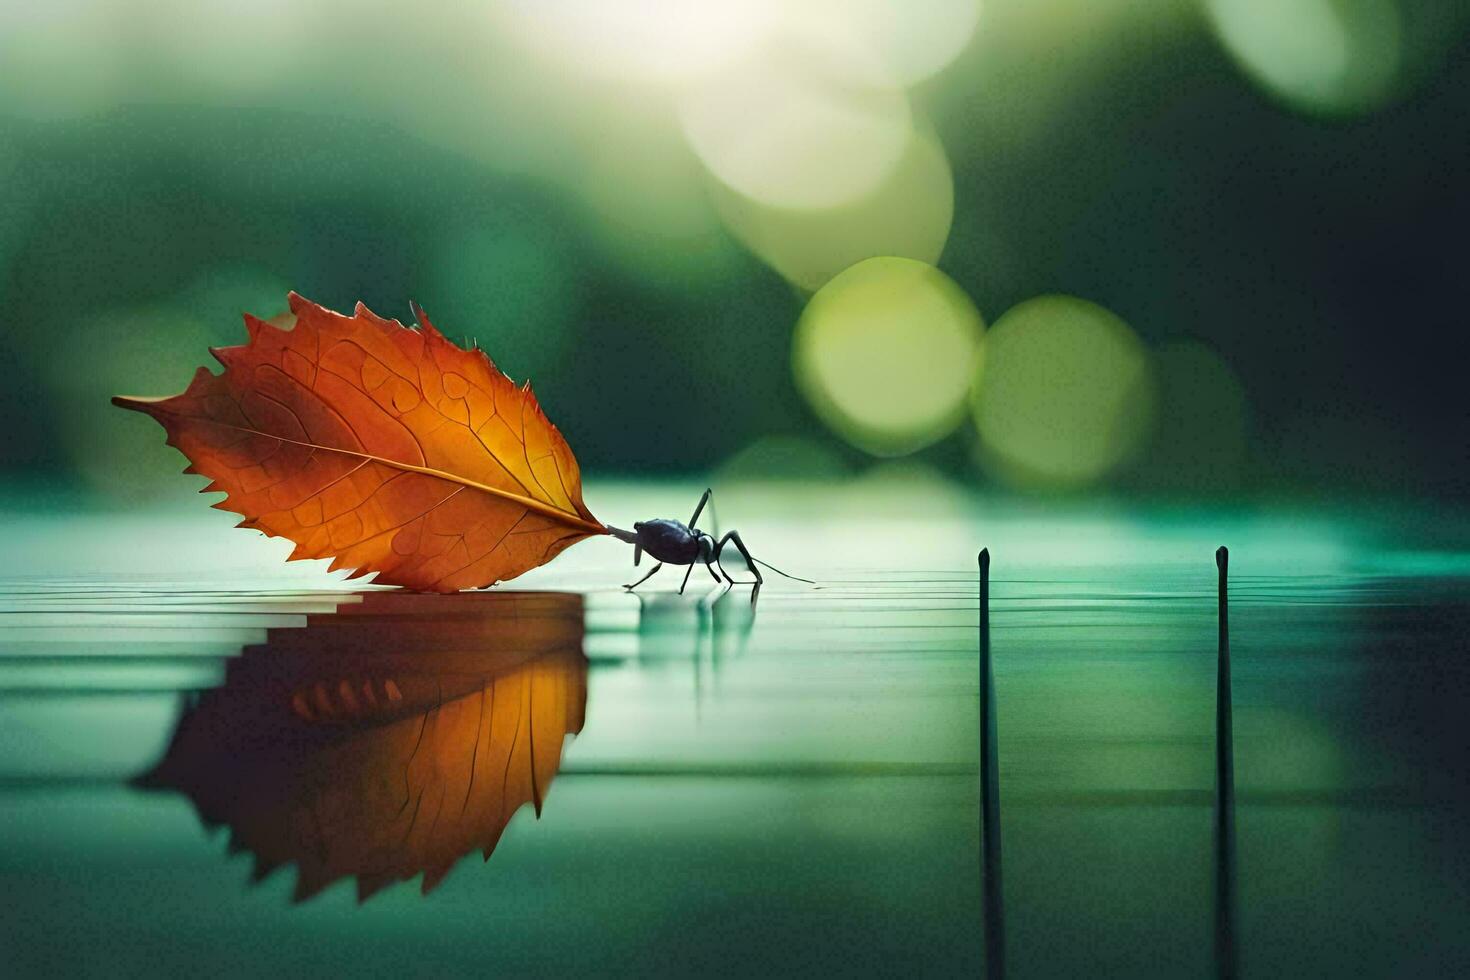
(386, 739)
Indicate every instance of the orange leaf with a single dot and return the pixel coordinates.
(389, 449)
(386, 739)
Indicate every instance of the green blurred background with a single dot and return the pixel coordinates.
(1173, 248)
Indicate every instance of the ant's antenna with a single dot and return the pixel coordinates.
(778, 571)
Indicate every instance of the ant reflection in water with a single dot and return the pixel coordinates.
(387, 739)
(702, 634)
(670, 628)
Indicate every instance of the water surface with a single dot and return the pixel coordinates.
(788, 790)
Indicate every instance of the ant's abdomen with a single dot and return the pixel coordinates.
(668, 541)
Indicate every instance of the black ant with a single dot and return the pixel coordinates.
(675, 543)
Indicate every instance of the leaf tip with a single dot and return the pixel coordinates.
(137, 403)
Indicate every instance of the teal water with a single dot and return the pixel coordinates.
(792, 790)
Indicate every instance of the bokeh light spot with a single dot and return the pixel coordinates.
(907, 215)
(778, 132)
(904, 43)
(642, 40)
(1327, 56)
(885, 353)
(1067, 394)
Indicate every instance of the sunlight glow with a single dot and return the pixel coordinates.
(640, 40)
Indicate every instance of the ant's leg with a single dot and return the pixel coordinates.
(721, 565)
(700, 508)
(734, 537)
(645, 578)
(723, 575)
(713, 574)
(686, 578)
